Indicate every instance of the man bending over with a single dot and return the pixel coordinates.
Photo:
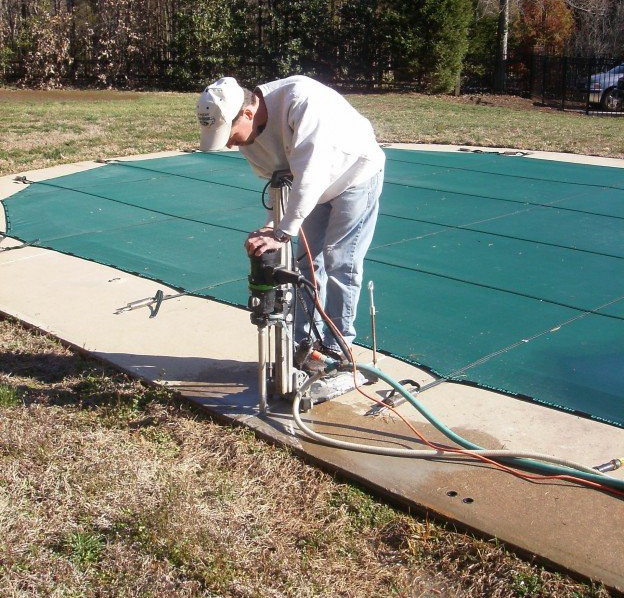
(300, 125)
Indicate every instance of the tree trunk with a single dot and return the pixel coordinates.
(500, 70)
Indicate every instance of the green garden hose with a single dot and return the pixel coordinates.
(541, 463)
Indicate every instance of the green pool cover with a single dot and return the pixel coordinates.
(504, 272)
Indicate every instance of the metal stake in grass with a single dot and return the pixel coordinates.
(373, 312)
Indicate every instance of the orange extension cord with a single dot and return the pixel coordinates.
(432, 445)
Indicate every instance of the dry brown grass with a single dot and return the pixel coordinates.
(44, 128)
(111, 488)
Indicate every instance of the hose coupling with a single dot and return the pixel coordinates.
(329, 363)
(610, 465)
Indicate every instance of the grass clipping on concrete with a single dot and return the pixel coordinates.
(112, 488)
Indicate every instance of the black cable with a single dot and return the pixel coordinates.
(330, 325)
(283, 181)
(310, 316)
(286, 181)
(262, 196)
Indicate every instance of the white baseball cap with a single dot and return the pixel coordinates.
(217, 107)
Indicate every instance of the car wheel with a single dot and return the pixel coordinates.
(611, 100)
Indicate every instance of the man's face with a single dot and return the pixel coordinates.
(244, 129)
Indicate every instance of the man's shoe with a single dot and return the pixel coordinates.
(334, 385)
(329, 352)
(304, 361)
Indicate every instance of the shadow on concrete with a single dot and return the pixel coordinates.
(223, 386)
(228, 388)
(175, 370)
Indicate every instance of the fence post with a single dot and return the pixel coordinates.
(587, 85)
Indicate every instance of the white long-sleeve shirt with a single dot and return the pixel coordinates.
(313, 131)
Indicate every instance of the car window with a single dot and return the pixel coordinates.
(618, 69)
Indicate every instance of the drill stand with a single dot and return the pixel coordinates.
(272, 303)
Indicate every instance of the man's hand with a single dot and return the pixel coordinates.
(260, 241)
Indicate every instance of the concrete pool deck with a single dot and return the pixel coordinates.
(575, 528)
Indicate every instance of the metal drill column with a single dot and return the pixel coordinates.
(262, 368)
(284, 371)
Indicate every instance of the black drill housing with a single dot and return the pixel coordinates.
(263, 286)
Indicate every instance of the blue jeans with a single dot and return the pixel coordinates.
(339, 234)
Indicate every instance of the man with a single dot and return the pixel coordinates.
(301, 125)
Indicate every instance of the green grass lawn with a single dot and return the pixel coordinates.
(40, 128)
(448, 120)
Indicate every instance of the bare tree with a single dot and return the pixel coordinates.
(501, 50)
(599, 27)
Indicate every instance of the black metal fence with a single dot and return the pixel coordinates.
(479, 76)
(567, 83)
(572, 83)
(589, 84)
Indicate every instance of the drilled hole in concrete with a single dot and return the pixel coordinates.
(468, 500)
(451, 493)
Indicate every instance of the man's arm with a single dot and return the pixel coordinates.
(309, 157)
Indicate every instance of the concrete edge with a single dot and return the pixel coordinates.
(534, 154)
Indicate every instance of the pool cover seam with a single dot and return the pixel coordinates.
(147, 276)
(483, 232)
(237, 156)
(453, 376)
(46, 183)
(543, 205)
(494, 288)
(186, 217)
(450, 377)
(125, 203)
(368, 259)
(550, 206)
(477, 363)
(516, 176)
(131, 165)
(167, 218)
(183, 176)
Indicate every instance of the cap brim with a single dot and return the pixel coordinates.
(214, 138)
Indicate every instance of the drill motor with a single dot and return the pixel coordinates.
(268, 298)
(262, 286)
